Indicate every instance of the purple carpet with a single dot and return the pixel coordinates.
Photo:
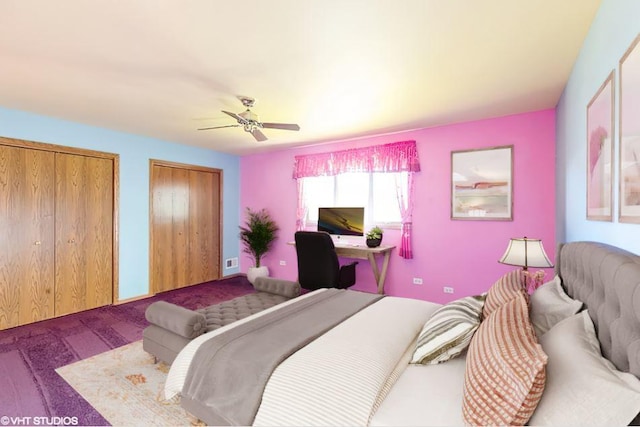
(29, 355)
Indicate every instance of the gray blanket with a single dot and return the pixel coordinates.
(229, 372)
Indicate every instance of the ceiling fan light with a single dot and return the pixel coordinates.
(249, 115)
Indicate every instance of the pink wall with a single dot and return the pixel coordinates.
(460, 254)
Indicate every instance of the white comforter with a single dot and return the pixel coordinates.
(340, 378)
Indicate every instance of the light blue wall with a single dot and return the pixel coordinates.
(135, 152)
(616, 25)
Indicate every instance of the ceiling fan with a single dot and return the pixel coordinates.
(249, 121)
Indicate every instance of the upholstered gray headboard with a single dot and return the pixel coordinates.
(607, 280)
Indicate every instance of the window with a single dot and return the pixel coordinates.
(375, 191)
(383, 185)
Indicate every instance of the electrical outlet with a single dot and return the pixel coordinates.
(447, 290)
(283, 262)
(417, 281)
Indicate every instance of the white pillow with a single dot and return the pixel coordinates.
(549, 304)
(448, 331)
(583, 388)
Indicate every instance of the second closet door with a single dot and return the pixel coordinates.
(204, 226)
(185, 226)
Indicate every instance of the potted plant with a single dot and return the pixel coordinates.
(257, 235)
(374, 237)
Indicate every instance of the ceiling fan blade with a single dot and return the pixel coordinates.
(284, 126)
(240, 119)
(259, 136)
(220, 127)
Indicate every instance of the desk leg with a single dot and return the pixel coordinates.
(374, 267)
(376, 273)
(385, 264)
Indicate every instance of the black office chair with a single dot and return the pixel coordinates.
(318, 265)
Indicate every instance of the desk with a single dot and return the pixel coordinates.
(365, 252)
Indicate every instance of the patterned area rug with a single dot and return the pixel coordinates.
(125, 387)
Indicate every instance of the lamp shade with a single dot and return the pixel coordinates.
(524, 252)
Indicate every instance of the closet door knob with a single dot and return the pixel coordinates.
(37, 242)
(72, 240)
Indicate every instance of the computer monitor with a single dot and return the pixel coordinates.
(341, 221)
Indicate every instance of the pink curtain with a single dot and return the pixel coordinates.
(394, 157)
(404, 191)
(301, 211)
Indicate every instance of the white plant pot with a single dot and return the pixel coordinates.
(254, 272)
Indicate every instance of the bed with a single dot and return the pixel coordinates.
(572, 358)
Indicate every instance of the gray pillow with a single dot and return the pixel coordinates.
(549, 304)
(583, 388)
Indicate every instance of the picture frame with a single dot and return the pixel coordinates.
(629, 135)
(600, 122)
(482, 184)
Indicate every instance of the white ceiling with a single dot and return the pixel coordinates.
(339, 68)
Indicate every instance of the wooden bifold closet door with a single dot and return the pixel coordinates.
(84, 230)
(185, 225)
(27, 232)
(57, 227)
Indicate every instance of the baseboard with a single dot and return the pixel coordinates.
(139, 297)
(233, 276)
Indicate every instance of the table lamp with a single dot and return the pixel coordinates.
(525, 253)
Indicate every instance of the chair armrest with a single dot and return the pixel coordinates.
(347, 274)
(179, 320)
(271, 285)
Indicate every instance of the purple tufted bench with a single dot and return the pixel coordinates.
(172, 327)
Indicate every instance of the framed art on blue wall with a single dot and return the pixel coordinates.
(629, 154)
(482, 184)
(600, 153)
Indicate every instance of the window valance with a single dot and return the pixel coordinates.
(393, 157)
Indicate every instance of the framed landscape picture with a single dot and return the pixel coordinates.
(600, 153)
(629, 176)
(482, 184)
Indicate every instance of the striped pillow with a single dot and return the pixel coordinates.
(506, 288)
(505, 368)
(448, 331)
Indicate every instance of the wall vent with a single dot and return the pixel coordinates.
(231, 263)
